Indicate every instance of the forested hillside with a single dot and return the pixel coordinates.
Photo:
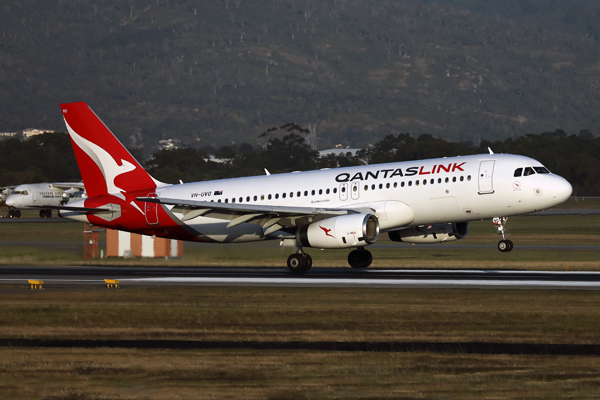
(50, 158)
(213, 72)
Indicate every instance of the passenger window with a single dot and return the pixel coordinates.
(306, 193)
(226, 200)
(409, 183)
(387, 185)
(276, 195)
(334, 190)
(327, 191)
(291, 194)
(241, 199)
(373, 186)
(312, 192)
(248, 199)
(402, 184)
(528, 171)
(298, 194)
(381, 186)
(424, 181)
(417, 183)
(432, 181)
(343, 189)
(269, 197)
(320, 191)
(447, 180)
(232, 200)
(518, 171)
(462, 178)
(219, 200)
(262, 196)
(255, 198)
(366, 187)
(469, 178)
(283, 195)
(454, 179)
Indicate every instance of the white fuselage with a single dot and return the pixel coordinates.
(403, 194)
(35, 195)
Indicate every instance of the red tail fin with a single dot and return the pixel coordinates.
(105, 164)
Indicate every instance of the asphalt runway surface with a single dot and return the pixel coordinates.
(134, 276)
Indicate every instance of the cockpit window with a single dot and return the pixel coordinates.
(529, 171)
(21, 192)
(518, 171)
(541, 170)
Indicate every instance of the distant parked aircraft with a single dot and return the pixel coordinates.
(41, 196)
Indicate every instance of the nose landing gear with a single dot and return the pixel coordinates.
(504, 245)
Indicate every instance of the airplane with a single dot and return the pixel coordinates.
(421, 201)
(42, 196)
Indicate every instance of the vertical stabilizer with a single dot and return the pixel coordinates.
(105, 164)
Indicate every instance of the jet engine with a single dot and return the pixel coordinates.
(431, 234)
(345, 231)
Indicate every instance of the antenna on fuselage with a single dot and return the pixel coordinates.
(490, 150)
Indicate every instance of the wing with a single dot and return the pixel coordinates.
(68, 185)
(272, 218)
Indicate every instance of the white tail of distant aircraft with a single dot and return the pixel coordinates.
(423, 201)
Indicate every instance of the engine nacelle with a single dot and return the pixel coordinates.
(340, 232)
(431, 234)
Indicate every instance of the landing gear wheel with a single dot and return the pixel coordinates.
(17, 213)
(360, 258)
(45, 213)
(308, 261)
(505, 246)
(299, 262)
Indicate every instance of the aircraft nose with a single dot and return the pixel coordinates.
(10, 201)
(562, 189)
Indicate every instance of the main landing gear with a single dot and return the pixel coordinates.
(299, 261)
(360, 258)
(302, 262)
(45, 213)
(14, 213)
(504, 245)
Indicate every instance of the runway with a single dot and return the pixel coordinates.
(316, 277)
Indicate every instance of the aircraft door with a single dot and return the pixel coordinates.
(486, 173)
(33, 193)
(151, 211)
(344, 191)
(355, 190)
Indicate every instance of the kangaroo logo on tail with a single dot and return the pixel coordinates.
(105, 162)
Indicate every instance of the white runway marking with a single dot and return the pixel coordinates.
(363, 282)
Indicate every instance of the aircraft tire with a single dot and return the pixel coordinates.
(296, 262)
(360, 258)
(307, 261)
(17, 213)
(505, 246)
